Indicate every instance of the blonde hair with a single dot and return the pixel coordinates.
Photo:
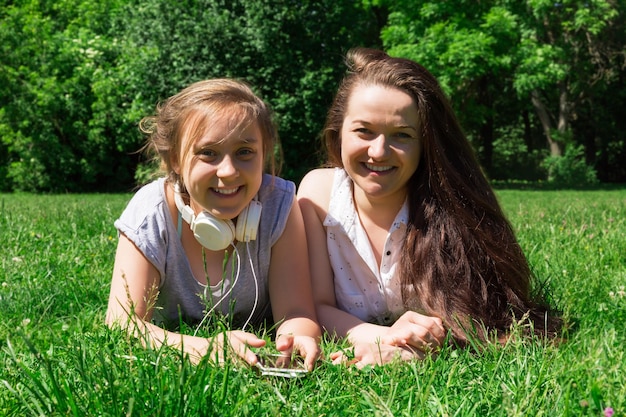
(186, 116)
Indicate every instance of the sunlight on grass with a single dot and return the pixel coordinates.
(60, 359)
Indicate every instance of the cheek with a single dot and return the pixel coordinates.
(348, 146)
(345, 153)
(181, 163)
(192, 170)
(254, 169)
(416, 156)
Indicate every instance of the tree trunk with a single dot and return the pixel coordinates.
(556, 149)
(565, 109)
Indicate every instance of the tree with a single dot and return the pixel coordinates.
(78, 75)
(51, 51)
(502, 54)
(289, 51)
(560, 60)
(467, 46)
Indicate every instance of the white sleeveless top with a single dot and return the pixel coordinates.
(363, 289)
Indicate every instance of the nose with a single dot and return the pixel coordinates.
(226, 167)
(378, 147)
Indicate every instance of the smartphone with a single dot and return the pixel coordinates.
(280, 365)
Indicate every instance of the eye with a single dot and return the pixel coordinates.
(206, 154)
(363, 131)
(246, 153)
(405, 134)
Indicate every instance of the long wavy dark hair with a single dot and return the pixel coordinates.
(460, 260)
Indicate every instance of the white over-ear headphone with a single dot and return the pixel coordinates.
(217, 234)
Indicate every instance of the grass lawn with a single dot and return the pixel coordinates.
(58, 358)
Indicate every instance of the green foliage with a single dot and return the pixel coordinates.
(492, 56)
(469, 48)
(547, 59)
(76, 76)
(512, 160)
(570, 169)
(53, 52)
(147, 172)
(89, 71)
(58, 358)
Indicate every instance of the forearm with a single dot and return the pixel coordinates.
(154, 336)
(345, 325)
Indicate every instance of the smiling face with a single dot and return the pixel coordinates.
(380, 143)
(222, 168)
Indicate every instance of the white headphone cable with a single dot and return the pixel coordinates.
(256, 288)
(208, 313)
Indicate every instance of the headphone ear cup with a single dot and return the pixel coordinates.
(213, 233)
(248, 222)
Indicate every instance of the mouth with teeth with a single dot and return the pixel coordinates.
(226, 191)
(378, 168)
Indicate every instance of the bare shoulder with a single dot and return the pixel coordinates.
(314, 189)
(316, 181)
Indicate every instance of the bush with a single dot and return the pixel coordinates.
(570, 169)
(513, 161)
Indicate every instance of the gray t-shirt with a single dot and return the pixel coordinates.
(147, 222)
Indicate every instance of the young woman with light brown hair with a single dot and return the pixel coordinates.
(216, 236)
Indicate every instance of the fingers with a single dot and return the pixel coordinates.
(433, 324)
(412, 336)
(374, 354)
(417, 331)
(309, 349)
(305, 346)
(379, 354)
(284, 342)
(345, 356)
(398, 354)
(240, 343)
(337, 357)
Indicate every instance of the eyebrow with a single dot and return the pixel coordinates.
(364, 122)
(246, 141)
(251, 139)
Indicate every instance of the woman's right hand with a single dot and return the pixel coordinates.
(416, 331)
(229, 344)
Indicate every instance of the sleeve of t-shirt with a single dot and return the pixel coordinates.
(279, 199)
(143, 222)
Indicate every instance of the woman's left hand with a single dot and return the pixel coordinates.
(305, 346)
(374, 354)
(416, 331)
